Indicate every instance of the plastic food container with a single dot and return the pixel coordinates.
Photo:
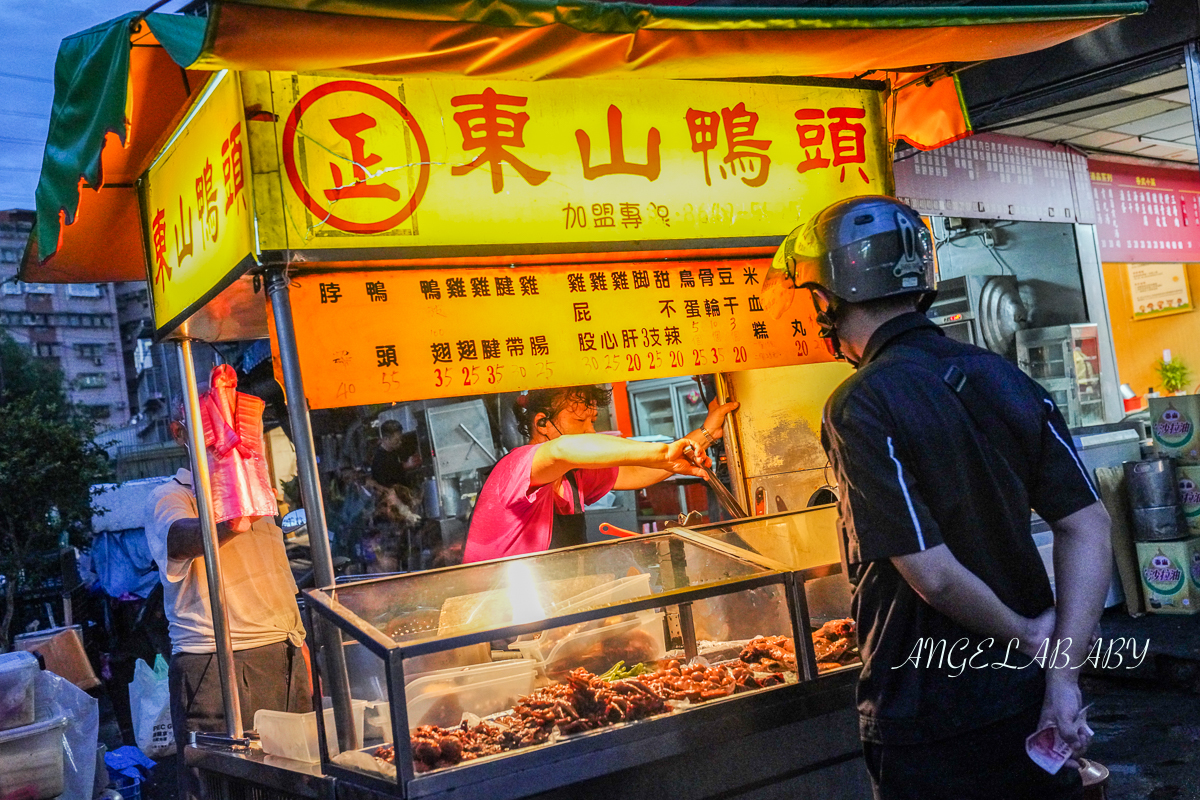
(17, 671)
(445, 703)
(596, 649)
(294, 736)
(377, 723)
(460, 676)
(633, 587)
(31, 760)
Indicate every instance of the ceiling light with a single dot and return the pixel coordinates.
(1165, 143)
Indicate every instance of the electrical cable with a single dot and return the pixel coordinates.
(18, 77)
(915, 152)
(1003, 264)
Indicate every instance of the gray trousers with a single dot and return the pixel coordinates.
(271, 677)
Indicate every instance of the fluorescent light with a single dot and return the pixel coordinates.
(1165, 143)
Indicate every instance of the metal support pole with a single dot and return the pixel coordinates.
(1191, 65)
(733, 446)
(202, 485)
(314, 507)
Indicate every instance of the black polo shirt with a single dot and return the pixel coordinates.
(915, 471)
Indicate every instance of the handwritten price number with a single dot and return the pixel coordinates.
(442, 377)
(704, 355)
(801, 347)
(470, 376)
(390, 380)
(739, 355)
(494, 374)
(543, 370)
(345, 390)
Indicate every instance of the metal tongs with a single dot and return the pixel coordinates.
(725, 497)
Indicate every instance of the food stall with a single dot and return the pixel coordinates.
(415, 201)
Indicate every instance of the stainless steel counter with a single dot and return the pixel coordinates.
(797, 741)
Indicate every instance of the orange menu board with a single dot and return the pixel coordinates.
(388, 336)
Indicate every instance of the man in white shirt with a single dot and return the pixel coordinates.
(260, 602)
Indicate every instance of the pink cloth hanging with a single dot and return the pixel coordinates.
(233, 437)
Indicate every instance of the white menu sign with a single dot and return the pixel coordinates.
(1158, 289)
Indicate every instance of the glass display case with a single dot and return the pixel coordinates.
(1065, 360)
(806, 543)
(495, 667)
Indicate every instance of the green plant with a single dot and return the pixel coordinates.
(48, 465)
(1174, 375)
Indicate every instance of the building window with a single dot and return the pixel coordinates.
(11, 287)
(91, 380)
(84, 290)
(90, 349)
(98, 411)
(39, 288)
(46, 349)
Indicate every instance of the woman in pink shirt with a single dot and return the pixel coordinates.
(534, 498)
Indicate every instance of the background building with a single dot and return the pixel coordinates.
(74, 326)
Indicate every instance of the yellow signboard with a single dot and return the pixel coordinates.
(196, 210)
(453, 167)
(376, 337)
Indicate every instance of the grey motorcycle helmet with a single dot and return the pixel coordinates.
(860, 249)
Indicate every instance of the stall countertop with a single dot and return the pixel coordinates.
(297, 779)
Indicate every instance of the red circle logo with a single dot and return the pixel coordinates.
(346, 159)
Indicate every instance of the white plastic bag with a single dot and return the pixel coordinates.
(150, 706)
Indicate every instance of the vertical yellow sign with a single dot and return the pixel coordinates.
(196, 206)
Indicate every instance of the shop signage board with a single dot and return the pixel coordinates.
(412, 168)
(196, 206)
(1156, 290)
(992, 176)
(1146, 214)
(389, 336)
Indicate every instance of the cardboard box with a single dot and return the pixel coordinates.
(1173, 422)
(62, 650)
(1170, 573)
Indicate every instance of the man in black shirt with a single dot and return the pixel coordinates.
(940, 450)
(397, 459)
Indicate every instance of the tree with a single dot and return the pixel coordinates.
(48, 464)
